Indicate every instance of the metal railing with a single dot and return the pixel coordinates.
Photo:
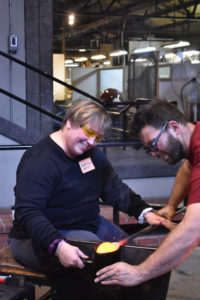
(45, 74)
(123, 106)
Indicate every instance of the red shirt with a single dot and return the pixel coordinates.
(194, 159)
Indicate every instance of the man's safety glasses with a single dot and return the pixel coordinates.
(90, 133)
(152, 147)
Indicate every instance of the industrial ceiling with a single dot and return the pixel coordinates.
(115, 23)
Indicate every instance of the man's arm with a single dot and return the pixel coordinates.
(179, 191)
(175, 248)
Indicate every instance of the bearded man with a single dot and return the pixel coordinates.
(166, 133)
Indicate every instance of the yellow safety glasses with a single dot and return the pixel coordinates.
(90, 133)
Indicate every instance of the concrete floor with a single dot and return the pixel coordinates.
(185, 279)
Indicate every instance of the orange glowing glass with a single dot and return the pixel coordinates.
(107, 247)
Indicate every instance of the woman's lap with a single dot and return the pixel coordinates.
(24, 253)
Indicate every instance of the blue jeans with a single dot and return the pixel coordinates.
(106, 232)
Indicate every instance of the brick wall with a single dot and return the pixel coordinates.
(5, 224)
(107, 212)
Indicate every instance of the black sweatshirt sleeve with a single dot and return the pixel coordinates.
(36, 181)
(116, 193)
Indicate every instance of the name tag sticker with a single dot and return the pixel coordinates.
(86, 165)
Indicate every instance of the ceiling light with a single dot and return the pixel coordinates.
(72, 65)
(98, 56)
(71, 19)
(143, 50)
(80, 59)
(69, 61)
(177, 45)
(118, 53)
(106, 62)
(140, 59)
(81, 50)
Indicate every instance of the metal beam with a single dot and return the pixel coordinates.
(107, 18)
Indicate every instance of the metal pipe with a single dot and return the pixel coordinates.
(31, 105)
(106, 144)
(144, 230)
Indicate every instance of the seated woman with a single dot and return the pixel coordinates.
(59, 183)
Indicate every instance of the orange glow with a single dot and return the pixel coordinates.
(107, 247)
(123, 242)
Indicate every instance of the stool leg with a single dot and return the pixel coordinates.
(31, 293)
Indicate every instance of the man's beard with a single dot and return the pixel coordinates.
(175, 150)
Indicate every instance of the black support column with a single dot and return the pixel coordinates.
(38, 49)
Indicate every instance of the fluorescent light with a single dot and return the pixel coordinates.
(98, 56)
(107, 62)
(118, 53)
(81, 50)
(177, 45)
(143, 50)
(140, 59)
(72, 65)
(80, 59)
(69, 61)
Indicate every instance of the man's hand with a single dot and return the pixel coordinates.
(154, 219)
(167, 212)
(119, 274)
(70, 256)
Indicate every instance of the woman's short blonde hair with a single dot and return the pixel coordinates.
(83, 112)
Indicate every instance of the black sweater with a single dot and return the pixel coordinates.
(53, 194)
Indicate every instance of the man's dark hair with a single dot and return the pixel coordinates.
(156, 114)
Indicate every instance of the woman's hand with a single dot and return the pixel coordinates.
(154, 219)
(70, 256)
